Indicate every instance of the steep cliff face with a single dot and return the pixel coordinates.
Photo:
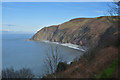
(81, 31)
(46, 33)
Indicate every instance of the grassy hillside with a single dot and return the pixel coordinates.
(102, 38)
(81, 31)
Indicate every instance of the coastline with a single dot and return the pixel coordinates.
(70, 45)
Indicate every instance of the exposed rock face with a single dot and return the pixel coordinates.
(81, 31)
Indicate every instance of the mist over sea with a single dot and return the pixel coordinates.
(18, 52)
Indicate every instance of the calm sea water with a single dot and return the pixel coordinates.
(17, 52)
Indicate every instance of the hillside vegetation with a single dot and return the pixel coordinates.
(102, 38)
(81, 31)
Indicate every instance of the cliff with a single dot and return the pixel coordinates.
(81, 31)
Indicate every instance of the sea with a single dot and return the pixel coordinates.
(18, 52)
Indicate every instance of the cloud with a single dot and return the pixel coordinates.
(8, 25)
(7, 30)
(100, 11)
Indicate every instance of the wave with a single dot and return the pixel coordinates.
(74, 46)
(70, 45)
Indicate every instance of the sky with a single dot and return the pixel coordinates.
(32, 16)
(57, 0)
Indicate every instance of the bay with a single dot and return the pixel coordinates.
(18, 52)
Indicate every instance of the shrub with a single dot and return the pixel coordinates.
(12, 73)
(109, 72)
(61, 66)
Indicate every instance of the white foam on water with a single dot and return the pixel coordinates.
(70, 45)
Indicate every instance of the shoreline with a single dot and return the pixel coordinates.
(70, 45)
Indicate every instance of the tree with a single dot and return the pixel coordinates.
(61, 66)
(114, 12)
(114, 9)
(53, 57)
(22, 73)
(0, 75)
(114, 17)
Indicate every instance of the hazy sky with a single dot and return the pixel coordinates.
(32, 16)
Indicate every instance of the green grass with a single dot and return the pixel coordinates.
(109, 72)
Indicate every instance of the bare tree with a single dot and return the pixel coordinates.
(0, 75)
(114, 9)
(53, 57)
(114, 12)
(22, 73)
